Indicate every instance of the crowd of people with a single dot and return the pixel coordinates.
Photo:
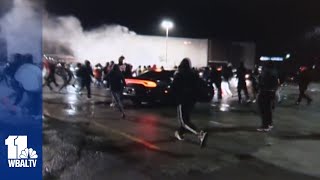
(265, 85)
(21, 75)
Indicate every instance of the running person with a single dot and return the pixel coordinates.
(62, 72)
(183, 87)
(86, 75)
(117, 83)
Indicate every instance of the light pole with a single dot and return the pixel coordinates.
(166, 24)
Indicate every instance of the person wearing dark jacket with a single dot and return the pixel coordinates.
(255, 82)
(117, 83)
(185, 88)
(268, 84)
(86, 74)
(217, 80)
(227, 75)
(242, 85)
(51, 76)
(304, 79)
(62, 71)
(78, 76)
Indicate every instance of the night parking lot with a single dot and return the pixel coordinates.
(87, 139)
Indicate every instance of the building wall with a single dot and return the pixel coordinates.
(149, 50)
(245, 52)
(232, 52)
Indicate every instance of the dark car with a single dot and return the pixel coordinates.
(154, 86)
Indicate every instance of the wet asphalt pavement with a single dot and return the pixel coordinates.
(87, 139)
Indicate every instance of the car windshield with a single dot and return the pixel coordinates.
(153, 75)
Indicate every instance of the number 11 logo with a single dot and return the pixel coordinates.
(19, 155)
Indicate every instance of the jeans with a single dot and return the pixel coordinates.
(184, 111)
(266, 102)
(302, 92)
(117, 100)
(242, 86)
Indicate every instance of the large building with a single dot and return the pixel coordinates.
(142, 50)
(232, 52)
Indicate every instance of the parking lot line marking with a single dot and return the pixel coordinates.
(130, 137)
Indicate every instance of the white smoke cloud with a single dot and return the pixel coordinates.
(21, 28)
(102, 43)
(26, 32)
(109, 42)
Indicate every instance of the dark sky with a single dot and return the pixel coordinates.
(273, 24)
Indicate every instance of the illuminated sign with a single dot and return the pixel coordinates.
(266, 58)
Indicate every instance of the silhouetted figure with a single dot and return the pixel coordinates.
(64, 74)
(128, 71)
(51, 78)
(117, 84)
(122, 65)
(138, 71)
(105, 71)
(206, 74)
(78, 76)
(304, 79)
(255, 81)
(242, 86)
(216, 76)
(227, 75)
(227, 72)
(268, 84)
(97, 72)
(185, 88)
(145, 69)
(154, 67)
(86, 77)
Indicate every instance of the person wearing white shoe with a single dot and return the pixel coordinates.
(268, 84)
(185, 89)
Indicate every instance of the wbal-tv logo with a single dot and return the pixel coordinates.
(19, 155)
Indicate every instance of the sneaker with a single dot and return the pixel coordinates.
(112, 105)
(263, 129)
(178, 136)
(203, 138)
(123, 116)
(270, 127)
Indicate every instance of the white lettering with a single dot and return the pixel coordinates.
(33, 162)
(11, 163)
(22, 163)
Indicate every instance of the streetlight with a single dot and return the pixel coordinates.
(288, 56)
(166, 24)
